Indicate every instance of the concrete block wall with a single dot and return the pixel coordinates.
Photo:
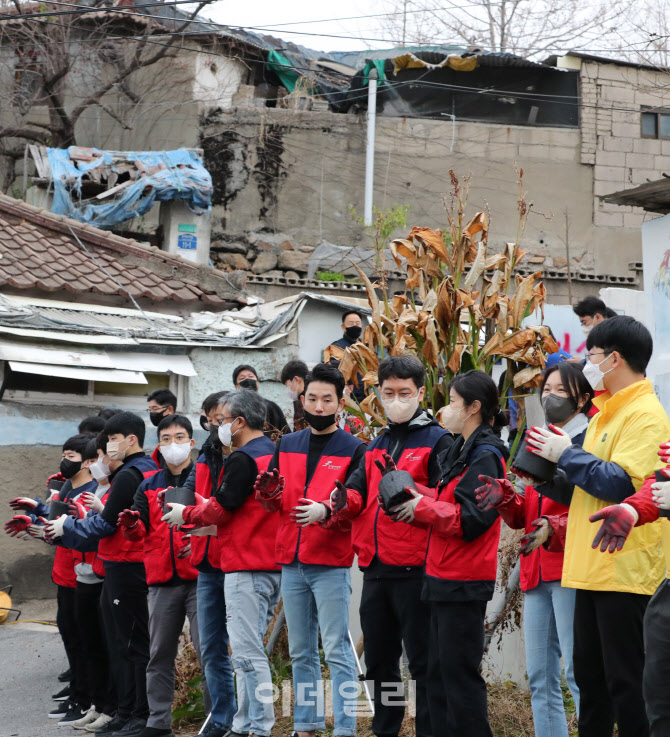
(612, 99)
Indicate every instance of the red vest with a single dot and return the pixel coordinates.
(115, 547)
(313, 544)
(248, 539)
(208, 546)
(373, 532)
(541, 564)
(162, 543)
(62, 573)
(452, 558)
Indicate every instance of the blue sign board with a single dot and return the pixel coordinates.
(187, 242)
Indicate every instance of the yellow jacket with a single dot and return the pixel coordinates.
(629, 428)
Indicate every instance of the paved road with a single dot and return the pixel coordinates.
(31, 657)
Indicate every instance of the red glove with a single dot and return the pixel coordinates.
(387, 466)
(338, 497)
(128, 518)
(618, 521)
(664, 452)
(494, 492)
(17, 524)
(269, 485)
(160, 498)
(23, 503)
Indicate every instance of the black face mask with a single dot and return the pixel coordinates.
(319, 422)
(156, 417)
(249, 384)
(69, 468)
(353, 332)
(558, 409)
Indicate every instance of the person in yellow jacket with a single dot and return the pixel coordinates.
(620, 451)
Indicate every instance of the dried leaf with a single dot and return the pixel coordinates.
(521, 304)
(348, 366)
(370, 405)
(430, 348)
(433, 240)
(531, 377)
(370, 379)
(430, 303)
(455, 359)
(332, 351)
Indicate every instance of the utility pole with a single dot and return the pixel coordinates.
(370, 147)
(404, 21)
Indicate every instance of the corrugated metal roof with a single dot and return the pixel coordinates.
(652, 196)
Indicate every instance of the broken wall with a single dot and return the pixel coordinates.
(300, 173)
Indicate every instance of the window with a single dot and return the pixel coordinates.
(28, 86)
(656, 124)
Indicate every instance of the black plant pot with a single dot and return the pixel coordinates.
(392, 486)
(58, 508)
(55, 485)
(533, 466)
(180, 495)
(660, 476)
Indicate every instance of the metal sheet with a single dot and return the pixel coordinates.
(85, 374)
(67, 337)
(154, 363)
(40, 354)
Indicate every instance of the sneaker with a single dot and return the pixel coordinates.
(156, 732)
(74, 714)
(90, 716)
(63, 694)
(61, 710)
(213, 730)
(65, 676)
(102, 721)
(112, 726)
(233, 733)
(132, 728)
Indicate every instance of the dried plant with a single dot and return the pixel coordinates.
(463, 308)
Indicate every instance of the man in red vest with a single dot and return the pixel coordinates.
(392, 556)
(315, 560)
(124, 595)
(247, 536)
(170, 576)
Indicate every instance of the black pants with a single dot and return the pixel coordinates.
(66, 619)
(657, 661)
(125, 617)
(456, 690)
(96, 665)
(392, 613)
(608, 659)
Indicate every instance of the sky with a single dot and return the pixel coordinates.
(279, 19)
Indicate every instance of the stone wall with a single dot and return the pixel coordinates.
(293, 176)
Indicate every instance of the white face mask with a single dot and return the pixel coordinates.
(226, 434)
(586, 329)
(176, 453)
(114, 450)
(399, 410)
(595, 375)
(99, 470)
(453, 420)
(292, 395)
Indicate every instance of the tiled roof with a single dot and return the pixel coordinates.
(39, 251)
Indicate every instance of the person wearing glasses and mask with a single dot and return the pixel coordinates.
(352, 329)
(247, 535)
(170, 575)
(392, 555)
(246, 377)
(619, 452)
(542, 511)
(205, 478)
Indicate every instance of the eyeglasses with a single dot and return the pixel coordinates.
(400, 397)
(596, 353)
(158, 409)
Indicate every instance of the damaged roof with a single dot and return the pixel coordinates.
(52, 253)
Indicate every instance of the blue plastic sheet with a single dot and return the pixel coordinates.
(183, 178)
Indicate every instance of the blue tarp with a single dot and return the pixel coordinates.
(183, 178)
